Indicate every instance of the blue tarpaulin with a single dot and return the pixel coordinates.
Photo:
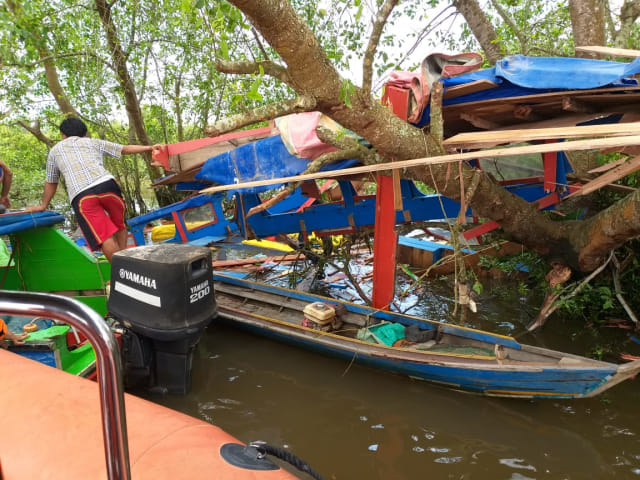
(519, 75)
(553, 72)
(261, 160)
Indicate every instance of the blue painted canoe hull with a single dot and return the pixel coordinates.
(548, 374)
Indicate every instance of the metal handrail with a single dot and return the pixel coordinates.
(93, 326)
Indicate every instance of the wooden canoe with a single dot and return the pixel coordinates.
(455, 356)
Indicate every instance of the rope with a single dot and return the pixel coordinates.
(265, 449)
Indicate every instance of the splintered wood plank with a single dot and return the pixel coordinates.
(568, 146)
(607, 166)
(616, 52)
(567, 121)
(474, 140)
(611, 176)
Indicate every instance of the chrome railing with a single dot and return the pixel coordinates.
(93, 326)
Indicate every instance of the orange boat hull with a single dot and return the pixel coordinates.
(52, 429)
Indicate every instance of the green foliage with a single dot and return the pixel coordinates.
(26, 157)
(528, 260)
(590, 303)
(346, 93)
(596, 301)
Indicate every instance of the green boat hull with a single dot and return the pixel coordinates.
(45, 259)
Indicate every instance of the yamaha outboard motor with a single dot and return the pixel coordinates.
(163, 296)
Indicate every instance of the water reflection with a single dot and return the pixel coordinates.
(353, 422)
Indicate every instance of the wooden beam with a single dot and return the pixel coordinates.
(570, 104)
(567, 146)
(569, 120)
(491, 138)
(616, 52)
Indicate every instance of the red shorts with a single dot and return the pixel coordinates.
(100, 212)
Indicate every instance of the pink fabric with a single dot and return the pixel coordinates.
(298, 132)
(433, 67)
(401, 79)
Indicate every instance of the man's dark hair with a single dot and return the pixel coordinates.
(73, 127)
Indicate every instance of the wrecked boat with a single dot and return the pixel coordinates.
(450, 355)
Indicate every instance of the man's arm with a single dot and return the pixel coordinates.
(7, 177)
(49, 192)
(132, 149)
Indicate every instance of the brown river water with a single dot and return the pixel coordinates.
(353, 422)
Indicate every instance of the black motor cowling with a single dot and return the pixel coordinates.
(163, 296)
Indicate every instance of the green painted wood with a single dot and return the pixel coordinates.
(47, 260)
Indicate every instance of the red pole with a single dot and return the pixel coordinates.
(384, 244)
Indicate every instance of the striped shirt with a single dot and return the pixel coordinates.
(80, 161)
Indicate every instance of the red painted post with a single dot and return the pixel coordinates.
(550, 163)
(384, 244)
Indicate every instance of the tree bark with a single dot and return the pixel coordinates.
(588, 24)
(581, 244)
(481, 28)
(629, 14)
(50, 69)
(132, 103)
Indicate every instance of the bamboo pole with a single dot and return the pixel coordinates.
(616, 52)
(568, 146)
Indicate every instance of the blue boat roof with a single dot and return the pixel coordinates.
(17, 221)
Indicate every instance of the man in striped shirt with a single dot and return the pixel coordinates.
(95, 196)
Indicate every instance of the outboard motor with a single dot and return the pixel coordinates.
(163, 296)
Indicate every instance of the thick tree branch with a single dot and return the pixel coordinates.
(118, 55)
(436, 123)
(253, 68)
(607, 230)
(346, 143)
(260, 114)
(369, 54)
(587, 21)
(481, 28)
(37, 132)
(313, 74)
(629, 14)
